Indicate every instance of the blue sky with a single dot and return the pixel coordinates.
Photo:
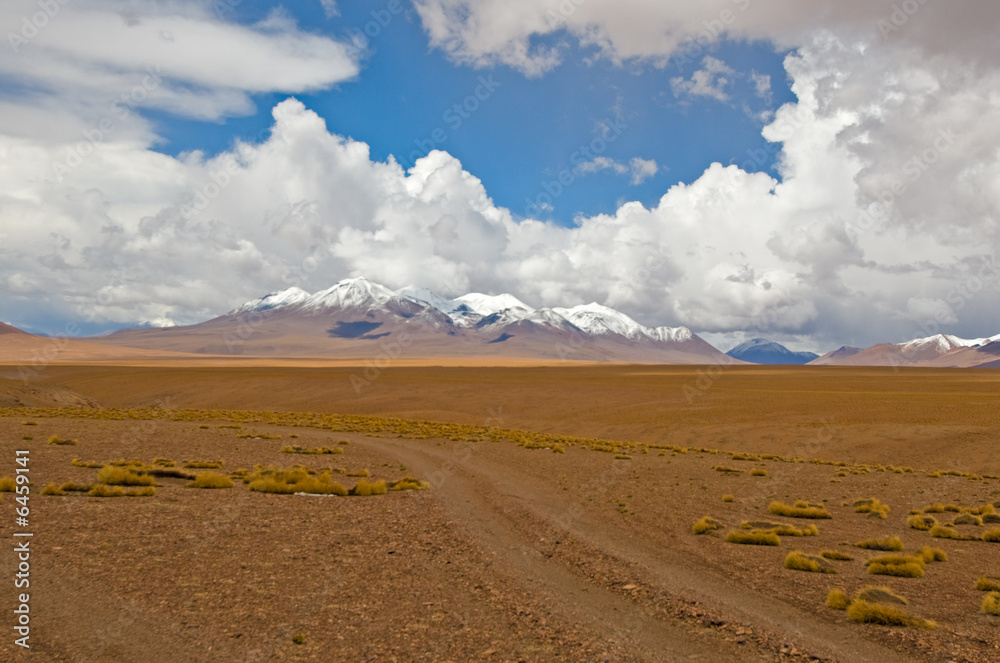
(524, 131)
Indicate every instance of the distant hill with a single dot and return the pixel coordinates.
(763, 351)
(942, 350)
(7, 329)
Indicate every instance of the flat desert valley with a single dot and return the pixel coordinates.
(518, 512)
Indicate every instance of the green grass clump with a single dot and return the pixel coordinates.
(117, 476)
(799, 510)
(211, 480)
(55, 439)
(409, 483)
(929, 554)
(53, 489)
(991, 604)
(799, 561)
(364, 488)
(104, 490)
(891, 543)
(876, 613)
(837, 599)
(7, 485)
(836, 555)
(753, 537)
(705, 524)
(985, 584)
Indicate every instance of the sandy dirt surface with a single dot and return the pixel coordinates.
(514, 553)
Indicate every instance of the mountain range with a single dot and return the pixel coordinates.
(359, 318)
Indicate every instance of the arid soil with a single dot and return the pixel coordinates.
(514, 553)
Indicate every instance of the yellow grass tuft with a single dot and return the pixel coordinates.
(906, 570)
(836, 555)
(55, 439)
(919, 522)
(104, 490)
(358, 473)
(758, 472)
(879, 595)
(53, 489)
(705, 524)
(799, 510)
(316, 451)
(7, 485)
(76, 462)
(729, 470)
(364, 488)
(877, 613)
(985, 584)
(891, 543)
(117, 476)
(837, 599)
(992, 535)
(929, 554)
(203, 464)
(728, 498)
(872, 506)
(753, 537)
(147, 491)
(71, 487)
(799, 561)
(409, 483)
(943, 532)
(211, 480)
(991, 604)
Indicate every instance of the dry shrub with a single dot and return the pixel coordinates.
(753, 537)
(799, 510)
(891, 543)
(117, 476)
(705, 524)
(799, 561)
(211, 480)
(876, 613)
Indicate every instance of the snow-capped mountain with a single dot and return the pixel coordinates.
(763, 351)
(937, 350)
(343, 320)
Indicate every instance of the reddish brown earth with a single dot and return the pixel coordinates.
(513, 553)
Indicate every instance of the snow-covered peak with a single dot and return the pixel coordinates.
(358, 293)
(678, 334)
(942, 343)
(428, 297)
(600, 320)
(277, 299)
(490, 304)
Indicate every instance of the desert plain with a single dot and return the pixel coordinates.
(552, 521)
